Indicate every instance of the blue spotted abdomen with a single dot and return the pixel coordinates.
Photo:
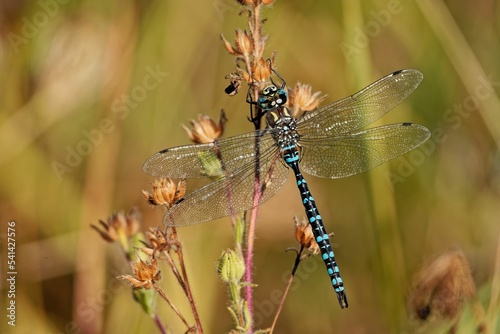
(321, 236)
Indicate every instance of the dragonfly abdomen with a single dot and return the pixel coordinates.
(322, 238)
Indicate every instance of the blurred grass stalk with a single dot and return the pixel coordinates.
(469, 70)
(389, 268)
(463, 59)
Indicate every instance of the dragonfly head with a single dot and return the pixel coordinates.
(272, 97)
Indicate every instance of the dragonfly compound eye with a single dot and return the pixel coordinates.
(282, 97)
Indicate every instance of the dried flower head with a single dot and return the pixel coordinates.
(205, 130)
(248, 48)
(158, 241)
(442, 286)
(305, 236)
(146, 274)
(243, 43)
(261, 70)
(228, 46)
(166, 192)
(301, 99)
(119, 225)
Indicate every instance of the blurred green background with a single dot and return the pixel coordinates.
(76, 77)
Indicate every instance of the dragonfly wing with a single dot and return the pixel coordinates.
(232, 194)
(207, 160)
(345, 155)
(363, 108)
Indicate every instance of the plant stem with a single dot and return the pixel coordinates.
(158, 323)
(172, 265)
(183, 280)
(289, 283)
(249, 250)
(175, 309)
(187, 289)
(257, 42)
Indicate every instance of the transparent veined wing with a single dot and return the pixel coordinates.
(363, 108)
(353, 153)
(208, 160)
(232, 194)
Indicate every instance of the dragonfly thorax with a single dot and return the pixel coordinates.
(284, 127)
(272, 97)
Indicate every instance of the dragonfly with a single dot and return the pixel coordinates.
(331, 141)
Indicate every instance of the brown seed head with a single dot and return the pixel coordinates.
(166, 192)
(261, 70)
(301, 99)
(228, 46)
(243, 42)
(157, 238)
(205, 130)
(246, 76)
(157, 242)
(442, 286)
(133, 221)
(119, 224)
(145, 274)
(304, 235)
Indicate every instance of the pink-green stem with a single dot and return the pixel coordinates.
(249, 250)
(159, 324)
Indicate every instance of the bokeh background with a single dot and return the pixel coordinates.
(79, 114)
